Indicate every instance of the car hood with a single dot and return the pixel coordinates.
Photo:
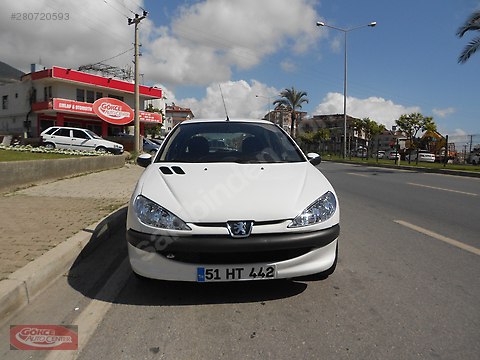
(219, 192)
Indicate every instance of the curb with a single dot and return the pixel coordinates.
(24, 284)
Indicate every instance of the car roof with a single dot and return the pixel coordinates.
(196, 121)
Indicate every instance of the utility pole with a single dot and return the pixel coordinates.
(136, 21)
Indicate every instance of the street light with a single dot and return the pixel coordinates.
(269, 101)
(345, 31)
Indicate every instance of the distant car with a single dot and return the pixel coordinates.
(423, 155)
(212, 211)
(77, 139)
(393, 155)
(380, 154)
(157, 141)
(149, 146)
(361, 153)
(475, 159)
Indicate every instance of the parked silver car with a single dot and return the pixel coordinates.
(423, 155)
(77, 139)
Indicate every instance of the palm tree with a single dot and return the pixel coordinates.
(472, 24)
(293, 100)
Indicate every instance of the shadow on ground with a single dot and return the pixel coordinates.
(107, 250)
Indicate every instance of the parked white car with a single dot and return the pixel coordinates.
(475, 159)
(77, 139)
(423, 155)
(249, 207)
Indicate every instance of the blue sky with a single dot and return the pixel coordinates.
(407, 63)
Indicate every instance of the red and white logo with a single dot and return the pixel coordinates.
(113, 111)
(43, 337)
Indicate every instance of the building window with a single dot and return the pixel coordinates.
(116, 97)
(5, 102)
(47, 93)
(98, 95)
(81, 95)
(90, 96)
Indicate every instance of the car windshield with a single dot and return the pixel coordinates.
(229, 141)
(92, 134)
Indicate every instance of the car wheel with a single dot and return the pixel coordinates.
(50, 146)
(101, 149)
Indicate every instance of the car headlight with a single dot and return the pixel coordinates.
(150, 213)
(321, 210)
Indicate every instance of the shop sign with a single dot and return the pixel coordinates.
(72, 106)
(150, 117)
(113, 111)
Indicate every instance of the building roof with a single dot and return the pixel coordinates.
(9, 74)
(79, 77)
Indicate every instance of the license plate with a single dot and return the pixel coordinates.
(235, 273)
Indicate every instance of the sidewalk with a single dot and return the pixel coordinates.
(37, 219)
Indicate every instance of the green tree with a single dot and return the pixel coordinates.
(371, 129)
(313, 139)
(411, 124)
(472, 24)
(293, 100)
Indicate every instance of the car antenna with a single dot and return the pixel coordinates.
(224, 105)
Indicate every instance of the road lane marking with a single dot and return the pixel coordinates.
(357, 174)
(434, 235)
(91, 317)
(443, 189)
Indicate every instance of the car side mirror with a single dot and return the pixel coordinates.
(144, 160)
(314, 158)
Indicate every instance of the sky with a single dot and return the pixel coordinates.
(254, 49)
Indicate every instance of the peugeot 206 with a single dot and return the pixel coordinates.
(231, 200)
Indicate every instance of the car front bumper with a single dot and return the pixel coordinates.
(178, 258)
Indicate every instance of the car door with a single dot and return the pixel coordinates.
(82, 141)
(62, 138)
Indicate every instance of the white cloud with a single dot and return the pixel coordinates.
(93, 31)
(205, 42)
(240, 99)
(378, 109)
(443, 112)
(209, 38)
(288, 66)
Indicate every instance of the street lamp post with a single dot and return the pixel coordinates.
(269, 101)
(345, 31)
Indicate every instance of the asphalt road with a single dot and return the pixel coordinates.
(407, 286)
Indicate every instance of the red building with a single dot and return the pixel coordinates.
(65, 97)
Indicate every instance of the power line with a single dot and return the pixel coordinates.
(121, 13)
(113, 57)
(123, 5)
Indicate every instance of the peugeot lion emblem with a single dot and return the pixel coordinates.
(239, 229)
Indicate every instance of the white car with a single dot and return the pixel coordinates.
(475, 159)
(77, 139)
(423, 155)
(393, 155)
(252, 208)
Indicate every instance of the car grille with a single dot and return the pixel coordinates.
(235, 258)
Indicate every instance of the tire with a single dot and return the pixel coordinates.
(50, 145)
(101, 149)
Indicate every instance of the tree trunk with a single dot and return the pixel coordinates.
(292, 125)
